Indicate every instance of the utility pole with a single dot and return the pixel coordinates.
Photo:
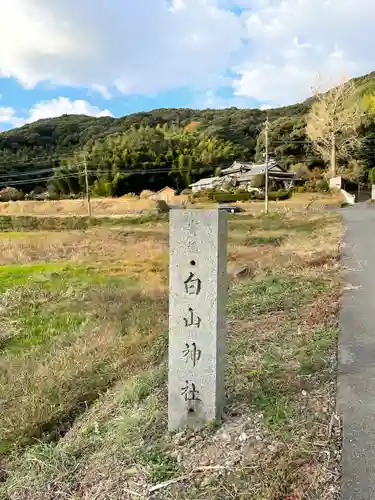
(87, 188)
(266, 169)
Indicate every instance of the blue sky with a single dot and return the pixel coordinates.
(87, 57)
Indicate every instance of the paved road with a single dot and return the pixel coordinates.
(356, 379)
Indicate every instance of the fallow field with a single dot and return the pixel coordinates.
(83, 345)
(129, 205)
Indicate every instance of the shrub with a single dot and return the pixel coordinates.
(282, 194)
(300, 189)
(11, 194)
(254, 195)
(231, 197)
(53, 196)
(301, 170)
(130, 195)
(274, 185)
(210, 193)
(146, 193)
(318, 173)
(322, 186)
(353, 171)
(310, 186)
(316, 185)
(205, 194)
(200, 194)
(258, 181)
(162, 206)
(371, 175)
(40, 196)
(37, 190)
(186, 191)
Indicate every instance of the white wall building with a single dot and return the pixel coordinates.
(203, 184)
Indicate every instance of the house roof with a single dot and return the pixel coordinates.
(204, 182)
(237, 166)
(240, 165)
(272, 165)
(165, 188)
(272, 174)
(273, 169)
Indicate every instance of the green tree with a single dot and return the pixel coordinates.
(146, 158)
(286, 141)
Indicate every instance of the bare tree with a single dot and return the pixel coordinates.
(334, 121)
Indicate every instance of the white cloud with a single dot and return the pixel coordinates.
(50, 109)
(62, 106)
(274, 48)
(140, 47)
(290, 41)
(101, 89)
(8, 115)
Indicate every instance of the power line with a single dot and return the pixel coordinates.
(35, 181)
(58, 155)
(31, 172)
(79, 174)
(36, 159)
(51, 170)
(89, 172)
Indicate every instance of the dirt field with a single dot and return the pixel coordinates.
(83, 345)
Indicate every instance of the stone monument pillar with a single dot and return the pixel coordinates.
(197, 316)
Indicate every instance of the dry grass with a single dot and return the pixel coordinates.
(100, 206)
(82, 246)
(83, 367)
(68, 208)
(130, 205)
(299, 202)
(91, 333)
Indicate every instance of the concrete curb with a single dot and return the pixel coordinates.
(349, 198)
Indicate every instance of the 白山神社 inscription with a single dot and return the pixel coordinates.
(198, 290)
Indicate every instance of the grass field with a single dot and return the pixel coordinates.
(83, 340)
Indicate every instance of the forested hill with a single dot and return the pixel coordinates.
(178, 145)
(63, 135)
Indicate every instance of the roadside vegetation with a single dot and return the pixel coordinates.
(83, 346)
